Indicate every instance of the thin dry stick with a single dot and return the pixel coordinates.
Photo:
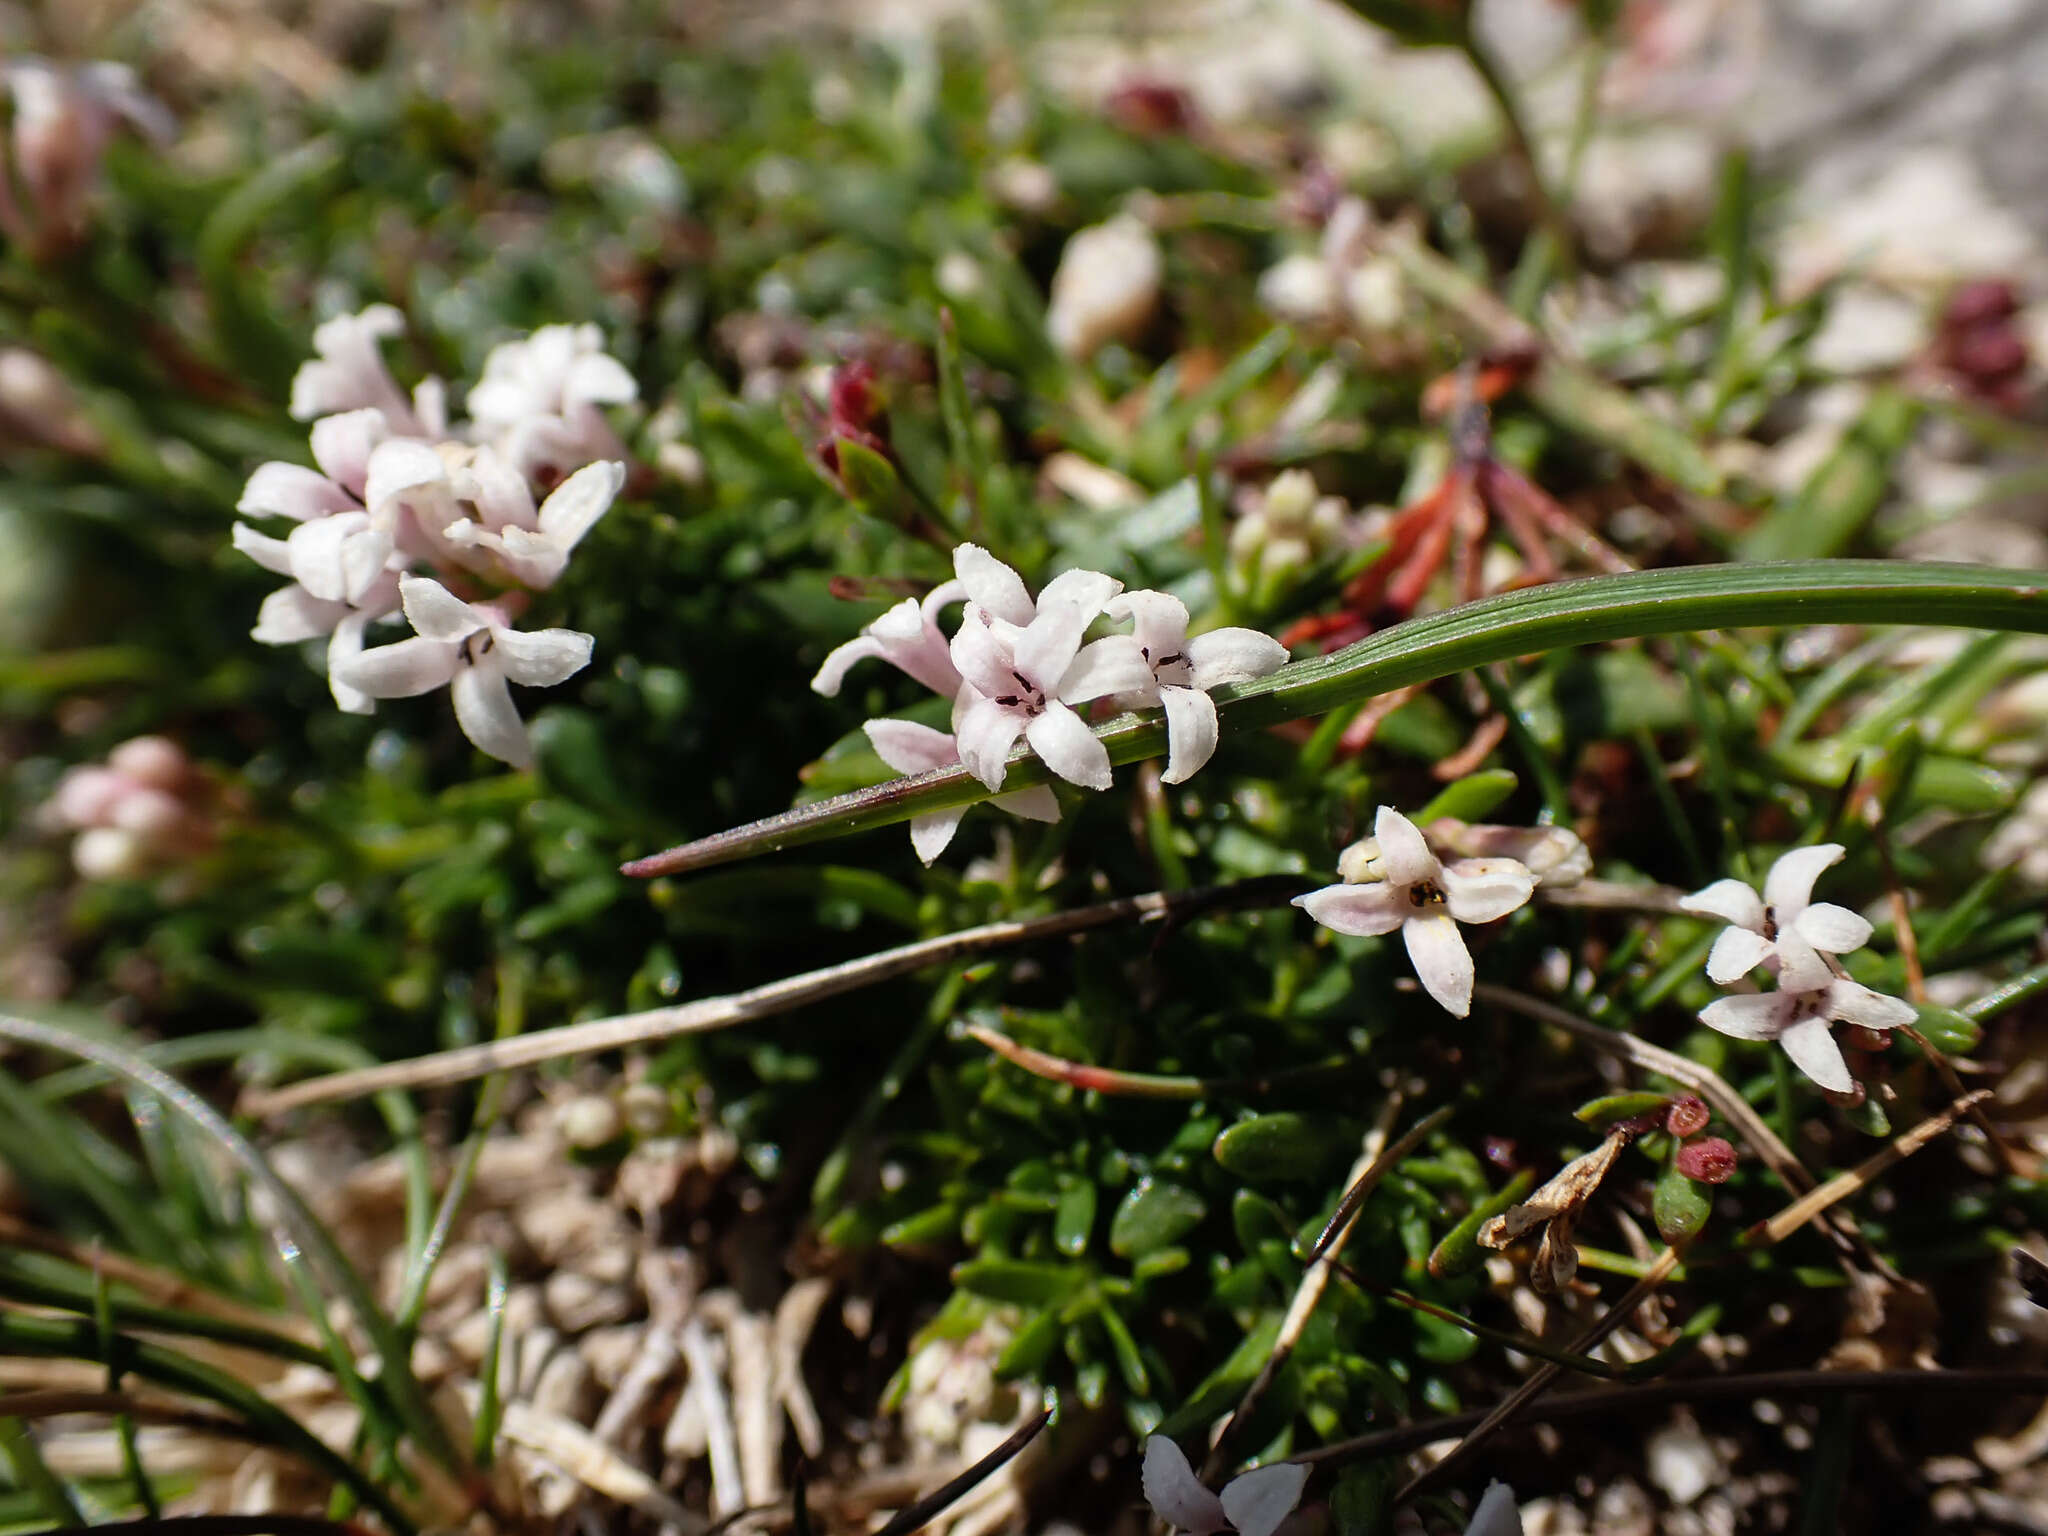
(473, 1061)
(1373, 1163)
(1776, 1229)
(1857, 1256)
(1545, 1374)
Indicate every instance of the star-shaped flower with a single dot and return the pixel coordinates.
(908, 638)
(1785, 925)
(1801, 1020)
(533, 546)
(1182, 671)
(347, 373)
(539, 398)
(1426, 899)
(1253, 1504)
(474, 652)
(1024, 665)
(912, 748)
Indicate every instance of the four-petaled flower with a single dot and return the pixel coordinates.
(909, 747)
(347, 373)
(1024, 664)
(1801, 1018)
(1255, 1503)
(1426, 899)
(1785, 924)
(474, 652)
(1182, 670)
(539, 398)
(908, 638)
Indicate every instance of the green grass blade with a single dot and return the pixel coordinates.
(1554, 617)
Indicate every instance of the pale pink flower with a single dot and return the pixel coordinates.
(908, 637)
(64, 118)
(912, 748)
(1801, 1019)
(1183, 670)
(1256, 1503)
(1785, 927)
(532, 546)
(472, 651)
(1426, 900)
(347, 373)
(132, 813)
(539, 399)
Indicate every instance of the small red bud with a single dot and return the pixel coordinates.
(1850, 1100)
(1973, 303)
(1857, 1038)
(1710, 1160)
(1687, 1116)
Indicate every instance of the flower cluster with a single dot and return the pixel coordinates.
(1788, 933)
(143, 808)
(1016, 666)
(502, 500)
(1394, 881)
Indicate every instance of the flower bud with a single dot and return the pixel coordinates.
(156, 761)
(1710, 1160)
(109, 853)
(1686, 1117)
(149, 813)
(1856, 1038)
(1556, 856)
(1106, 288)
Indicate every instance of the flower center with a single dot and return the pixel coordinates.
(1770, 928)
(1425, 893)
(1030, 698)
(477, 646)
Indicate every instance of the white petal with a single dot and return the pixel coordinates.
(909, 747)
(293, 491)
(438, 614)
(1753, 1015)
(1365, 911)
(344, 446)
(1176, 1494)
(484, 710)
(1853, 1003)
(500, 495)
(1442, 962)
(271, 554)
(991, 584)
(941, 596)
(1234, 656)
(1736, 952)
(1037, 803)
(1403, 854)
(1811, 1045)
(1260, 1499)
(833, 673)
(1800, 967)
(1834, 929)
(542, 659)
(1064, 744)
(930, 833)
(984, 732)
(291, 614)
(1051, 641)
(338, 557)
(1483, 890)
(398, 467)
(982, 658)
(1789, 885)
(596, 378)
(400, 671)
(901, 625)
(1082, 588)
(1159, 620)
(532, 559)
(344, 648)
(1729, 900)
(1497, 1514)
(1113, 664)
(430, 405)
(579, 501)
(1190, 732)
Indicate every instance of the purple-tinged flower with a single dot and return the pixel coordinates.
(1425, 899)
(908, 638)
(532, 546)
(1255, 1503)
(1183, 670)
(473, 651)
(1801, 1020)
(1785, 925)
(912, 748)
(347, 373)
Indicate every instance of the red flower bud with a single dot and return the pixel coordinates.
(1973, 303)
(1710, 1160)
(1687, 1116)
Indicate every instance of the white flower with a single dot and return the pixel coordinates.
(1497, 1514)
(539, 398)
(1799, 1019)
(1023, 664)
(1183, 670)
(347, 373)
(1253, 1504)
(912, 748)
(1105, 288)
(1426, 900)
(908, 638)
(1785, 926)
(533, 547)
(64, 117)
(473, 652)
